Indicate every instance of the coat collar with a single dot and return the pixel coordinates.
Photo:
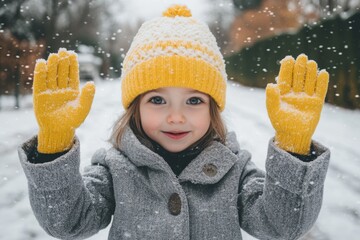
(218, 156)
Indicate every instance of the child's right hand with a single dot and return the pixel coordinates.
(58, 104)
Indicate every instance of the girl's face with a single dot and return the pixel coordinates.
(175, 118)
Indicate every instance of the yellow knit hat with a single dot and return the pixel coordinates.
(174, 50)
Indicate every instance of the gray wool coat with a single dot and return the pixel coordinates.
(218, 193)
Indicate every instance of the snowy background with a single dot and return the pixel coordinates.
(339, 129)
(245, 113)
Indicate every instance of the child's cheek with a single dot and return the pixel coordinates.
(151, 121)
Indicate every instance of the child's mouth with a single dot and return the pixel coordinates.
(176, 135)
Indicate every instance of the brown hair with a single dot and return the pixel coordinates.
(131, 117)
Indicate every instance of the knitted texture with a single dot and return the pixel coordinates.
(59, 106)
(294, 104)
(175, 50)
(131, 190)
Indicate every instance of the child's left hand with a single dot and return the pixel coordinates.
(294, 104)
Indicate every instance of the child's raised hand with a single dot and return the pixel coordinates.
(294, 104)
(58, 104)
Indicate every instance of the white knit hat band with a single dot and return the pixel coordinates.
(178, 47)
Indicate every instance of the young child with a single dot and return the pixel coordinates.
(174, 172)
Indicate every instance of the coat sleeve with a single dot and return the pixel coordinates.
(284, 202)
(66, 204)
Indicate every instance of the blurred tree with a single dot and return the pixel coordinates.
(327, 8)
(31, 29)
(10, 18)
(271, 17)
(113, 38)
(58, 22)
(17, 64)
(333, 43)
(246, 4)
(18, 46)
(220, 15)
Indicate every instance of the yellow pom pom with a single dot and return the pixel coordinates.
(177, 10)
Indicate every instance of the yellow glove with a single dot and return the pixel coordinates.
(58, 105)
(294, 104)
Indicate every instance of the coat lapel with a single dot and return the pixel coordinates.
(140, 155)
(208, 168)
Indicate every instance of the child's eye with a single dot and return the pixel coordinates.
(157, 100)
(194, 101)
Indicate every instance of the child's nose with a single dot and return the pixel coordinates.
(176, 116)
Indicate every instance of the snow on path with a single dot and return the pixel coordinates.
(245, 113)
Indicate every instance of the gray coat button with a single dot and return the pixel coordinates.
(210, 169)
(174, 204)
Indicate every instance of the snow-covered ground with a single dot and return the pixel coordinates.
(245, 113)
